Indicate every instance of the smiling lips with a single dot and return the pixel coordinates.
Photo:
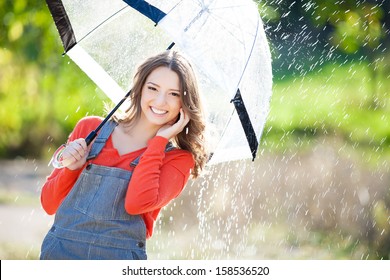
(157, 111)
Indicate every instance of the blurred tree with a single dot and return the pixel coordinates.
(359, 28)
(27, 27)
(36, 85)
(23, 24)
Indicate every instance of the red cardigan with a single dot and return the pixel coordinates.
(158, 178)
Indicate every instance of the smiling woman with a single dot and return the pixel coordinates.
(107, 200)
(161, 101)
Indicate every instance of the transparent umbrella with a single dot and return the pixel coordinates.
(224, 39)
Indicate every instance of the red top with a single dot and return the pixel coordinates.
(158, 178)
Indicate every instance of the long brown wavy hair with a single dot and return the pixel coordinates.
(192, 138)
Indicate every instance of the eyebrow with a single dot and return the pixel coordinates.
(171, 89)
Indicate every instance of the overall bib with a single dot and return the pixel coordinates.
(91, 222)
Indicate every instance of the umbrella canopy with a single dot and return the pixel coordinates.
(224, 39)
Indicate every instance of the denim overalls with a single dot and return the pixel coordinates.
(91, 222)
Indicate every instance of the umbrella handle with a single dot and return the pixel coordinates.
(92, 135)
(57, 160)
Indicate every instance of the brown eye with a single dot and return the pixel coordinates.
(175, 94)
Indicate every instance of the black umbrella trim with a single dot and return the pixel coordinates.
(246, 123)
(62, 22)
(146, 9)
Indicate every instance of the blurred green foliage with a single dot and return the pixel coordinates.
(356, 24)
(348, 25)
(41, 94)
(333, 102)
(312, 33)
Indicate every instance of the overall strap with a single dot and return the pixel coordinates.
(101, 139)
(168, 147)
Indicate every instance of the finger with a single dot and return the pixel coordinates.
(180, 122)
(74, 153)
(81, 142)
(75, 149)
(185, 117)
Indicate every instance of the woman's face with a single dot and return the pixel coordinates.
(161, 97)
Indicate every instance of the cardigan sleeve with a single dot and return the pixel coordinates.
(158, 178)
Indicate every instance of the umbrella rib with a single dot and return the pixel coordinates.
(174, 7)
(220, 19)
(224, 130)
(103, 22)
(250, 53)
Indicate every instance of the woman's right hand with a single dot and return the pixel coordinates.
(75, 154)
(174, 127)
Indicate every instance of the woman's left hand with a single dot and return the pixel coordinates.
(173, 128)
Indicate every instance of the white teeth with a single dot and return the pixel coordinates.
(157, 111)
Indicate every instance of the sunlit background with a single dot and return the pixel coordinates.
(320, 186)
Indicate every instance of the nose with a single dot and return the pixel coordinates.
(160, 98)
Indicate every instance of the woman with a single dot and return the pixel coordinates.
(107, 200)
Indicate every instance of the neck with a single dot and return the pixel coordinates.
(141, 129)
